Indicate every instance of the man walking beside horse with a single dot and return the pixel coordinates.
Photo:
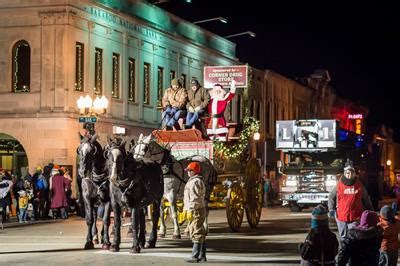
(194, 204)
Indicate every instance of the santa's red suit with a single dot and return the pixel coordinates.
(216, 123)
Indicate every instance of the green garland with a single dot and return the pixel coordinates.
(222, 149)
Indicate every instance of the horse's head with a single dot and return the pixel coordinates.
(86, 151)
(115, 154)
(148, 148)
(140, 149)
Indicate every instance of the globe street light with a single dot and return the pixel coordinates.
(252, 34)
(222, 19)
(90, 109)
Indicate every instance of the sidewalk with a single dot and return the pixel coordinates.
(14, 222)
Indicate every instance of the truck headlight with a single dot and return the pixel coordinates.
(291, 181)
(330, 180)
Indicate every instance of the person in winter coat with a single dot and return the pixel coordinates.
(194, 205)
(348, 200)
(23, 206)
(57, 190)
(197, 103)
(216, 123)
(362, 243)
(389, 246)
(321, 245)
(173, 102)
(5, 195)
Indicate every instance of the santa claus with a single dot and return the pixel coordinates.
(216, 123)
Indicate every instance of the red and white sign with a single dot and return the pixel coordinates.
(224, 74)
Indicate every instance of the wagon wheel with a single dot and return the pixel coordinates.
(255, 193)
(234, 207)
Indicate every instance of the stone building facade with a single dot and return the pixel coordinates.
(53, 52)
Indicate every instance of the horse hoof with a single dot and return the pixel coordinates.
(150, 245)
(114, 248)
(161, 235)
(95, 241)
(105, 247)
(176, 237)
(89, 245)
(135, 250)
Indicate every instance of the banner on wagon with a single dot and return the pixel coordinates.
(224, 74)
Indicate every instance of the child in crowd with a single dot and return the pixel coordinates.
(362, 242)
(23, 206)
(389, 246)
(321, 244)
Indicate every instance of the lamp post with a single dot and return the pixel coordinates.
(252, 34)
(222, 19)
(90, 109)
(256, 138)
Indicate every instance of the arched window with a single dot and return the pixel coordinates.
(21, 67)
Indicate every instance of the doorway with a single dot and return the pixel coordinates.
(12, 155)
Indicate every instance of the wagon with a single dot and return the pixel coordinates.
(239, 186)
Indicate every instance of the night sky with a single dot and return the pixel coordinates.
(359, 44)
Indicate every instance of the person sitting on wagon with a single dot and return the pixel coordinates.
(198, 99)
(216, 124)
(173, 102)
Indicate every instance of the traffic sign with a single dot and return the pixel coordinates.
(87, 119)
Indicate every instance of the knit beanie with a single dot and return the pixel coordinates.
(319, 217)
(387, 213)
(368, 219)
(175, 82)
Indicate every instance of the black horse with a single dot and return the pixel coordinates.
(135, 185)
(94, 186)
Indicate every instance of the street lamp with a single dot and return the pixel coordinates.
(252, 34)
(222, 19)
(90, 109)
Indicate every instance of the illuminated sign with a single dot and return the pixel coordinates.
(306, 134)
(355, 116)
(224, 74)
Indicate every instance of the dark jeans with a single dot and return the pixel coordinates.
(193, 118)
(170, 116)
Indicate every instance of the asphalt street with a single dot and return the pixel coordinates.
(60, 242)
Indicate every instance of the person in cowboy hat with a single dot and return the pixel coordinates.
(348, 200)
(194, 205)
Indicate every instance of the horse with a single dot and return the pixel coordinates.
(135, 185)
(175, 177)
(94, 186)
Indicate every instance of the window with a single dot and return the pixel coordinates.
(115, 76)
(230, 111)
(21, 67)
(79, 66)
(160, 85)
(251, 113)
(146, 85)
(239, 108)
(267, 117)
(183, 79)
(98, 71)
(131, 81)
(172, 75)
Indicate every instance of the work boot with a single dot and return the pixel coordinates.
(195, 254)
(203, 253)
